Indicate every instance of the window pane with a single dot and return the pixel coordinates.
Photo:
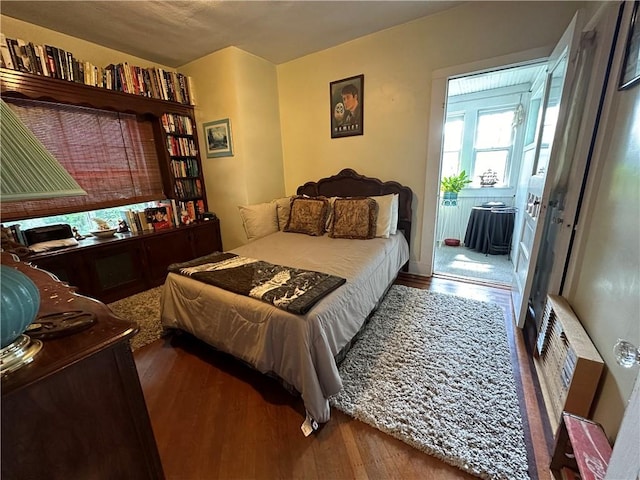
(532, 120)
(453, 129)
(495, 160)
(494, 129)
(550, 119)
(450, 163)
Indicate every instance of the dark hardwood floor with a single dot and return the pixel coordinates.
(215, 418)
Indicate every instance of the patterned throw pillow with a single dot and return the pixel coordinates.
(308, 215)
(354, 218)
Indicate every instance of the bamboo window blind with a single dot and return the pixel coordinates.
(111, 155)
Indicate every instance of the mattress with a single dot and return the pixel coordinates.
(299, 349)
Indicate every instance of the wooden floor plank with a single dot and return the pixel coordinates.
(215, 418)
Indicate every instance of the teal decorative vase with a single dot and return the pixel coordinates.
(19, 304)
(450, 199)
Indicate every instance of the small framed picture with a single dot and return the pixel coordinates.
(218, 137)
(630, 74)
(347, 106)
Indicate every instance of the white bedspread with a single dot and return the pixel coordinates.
(300, 349)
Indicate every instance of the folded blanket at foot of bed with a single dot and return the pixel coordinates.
(292, 289)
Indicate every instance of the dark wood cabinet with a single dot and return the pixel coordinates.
(114, 268)
(202, 240)
(163, 250)
(77, 411)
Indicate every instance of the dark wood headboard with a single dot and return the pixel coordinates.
(349, 183)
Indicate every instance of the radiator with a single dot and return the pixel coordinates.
(567, 363)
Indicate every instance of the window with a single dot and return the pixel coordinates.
(493, 144)
(111, 155)
(83, 221)
(479, 137)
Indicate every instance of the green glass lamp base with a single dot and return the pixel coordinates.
(18, 354)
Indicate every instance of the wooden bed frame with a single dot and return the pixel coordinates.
(349, 183)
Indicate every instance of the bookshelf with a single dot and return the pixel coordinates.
(184, 167)
(53, 62)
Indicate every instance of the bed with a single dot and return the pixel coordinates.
(301, 350)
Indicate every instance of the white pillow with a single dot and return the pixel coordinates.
(394, 214)
(385, 215)
(259, 220)
(283, 210)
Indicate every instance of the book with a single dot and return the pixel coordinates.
(51, 61)
(174, 210)
(127, 217)
(170, 210)
(146, 226)
(4, 51)
(199, 209)
(188, 212)
(158, 217)
(191, 209)
(23, 52)
(15, 54)
(44, 64)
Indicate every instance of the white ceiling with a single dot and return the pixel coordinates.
(174, 33)
(506, 77)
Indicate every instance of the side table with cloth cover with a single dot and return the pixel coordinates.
(490, 229)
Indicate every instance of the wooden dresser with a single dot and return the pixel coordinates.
(77, 411)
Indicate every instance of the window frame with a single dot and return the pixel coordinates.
(471, 105)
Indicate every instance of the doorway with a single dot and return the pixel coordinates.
(485, 129)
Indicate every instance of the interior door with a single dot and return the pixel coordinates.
(535, 205)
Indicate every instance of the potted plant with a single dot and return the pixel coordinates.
(452, 185)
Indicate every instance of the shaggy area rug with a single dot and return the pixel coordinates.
(144, 309)
(434, 371)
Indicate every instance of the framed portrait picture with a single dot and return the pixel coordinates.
(630, 74)
(347, 106)
(218, 138)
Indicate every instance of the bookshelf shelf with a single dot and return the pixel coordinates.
(36, 87)
(55, 63)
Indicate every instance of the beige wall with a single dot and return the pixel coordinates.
(239, 86)
(398, 64)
